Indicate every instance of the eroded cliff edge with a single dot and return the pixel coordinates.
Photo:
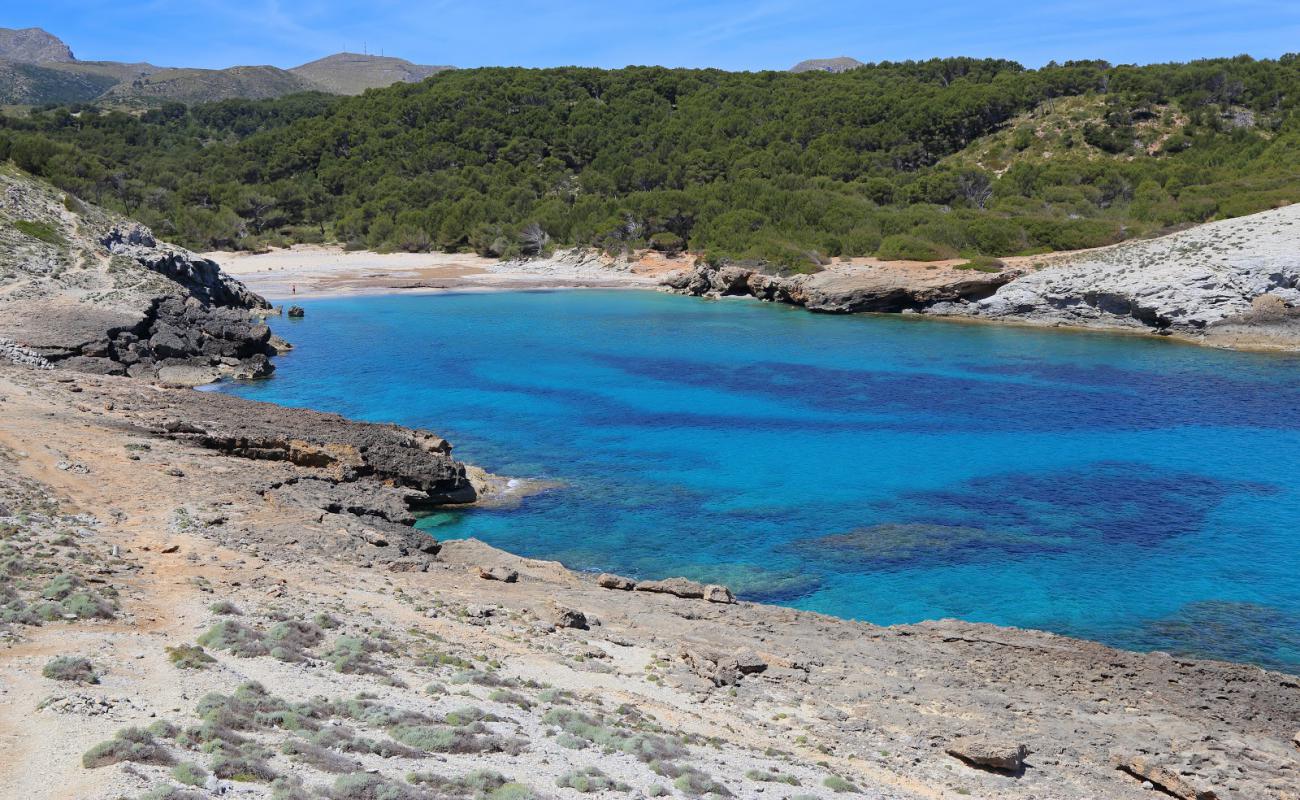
(1232, 283)
(87, 290)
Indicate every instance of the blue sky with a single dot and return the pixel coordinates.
(731, 34)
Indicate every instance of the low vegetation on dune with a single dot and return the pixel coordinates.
(903, 160)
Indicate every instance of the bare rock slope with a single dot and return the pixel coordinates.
(33, 46)
(1232, 282)
(91, 291)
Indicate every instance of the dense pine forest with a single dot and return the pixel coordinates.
(903, 160)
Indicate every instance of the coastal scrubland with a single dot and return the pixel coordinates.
(916, 160)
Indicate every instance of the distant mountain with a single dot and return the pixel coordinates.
(36, 68)
(840, 64)
(32, 46)
(353, 73)
(35, 84)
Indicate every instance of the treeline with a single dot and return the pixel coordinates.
(789, 168)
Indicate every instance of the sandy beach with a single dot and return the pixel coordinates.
(310, 271)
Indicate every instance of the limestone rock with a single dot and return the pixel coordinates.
(680, 587)
(503, 574)
(720, 667)
(981, 751)
(608, 580)
(715, 593)
(1167, 779)
(1188, 282)
(564, 617)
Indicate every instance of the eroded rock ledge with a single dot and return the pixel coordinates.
(841, 288)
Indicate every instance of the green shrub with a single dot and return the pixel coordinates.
(364, 786)
(771, 777)
(70, 668)
(589, 780)
(188, 656)
(903, 247)
(983, 264)
(840, 786)
(128, 744)
(236, 637)
(43, 231)
(189, 773)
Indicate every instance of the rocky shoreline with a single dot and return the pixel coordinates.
(1233, 283)
(229, 596)
(197, 499)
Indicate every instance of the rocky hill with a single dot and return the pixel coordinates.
(207, 85)
(353, 73)
(34, 84)
(838, 64)
(88, 290)
(37, 68)
(33, 45)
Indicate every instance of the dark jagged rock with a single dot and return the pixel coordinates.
(105, 296)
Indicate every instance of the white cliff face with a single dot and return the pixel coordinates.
(1184, 282)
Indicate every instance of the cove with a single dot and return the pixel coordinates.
(1128, 490)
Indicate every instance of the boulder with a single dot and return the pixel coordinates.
(503, 574)
(607, 580)
(995, 754)
(679, 587)
(563, 617)
(748, 662)
(296, 312)
(1165, 778)
(718, 594)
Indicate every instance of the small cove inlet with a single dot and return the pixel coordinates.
(1131, 491)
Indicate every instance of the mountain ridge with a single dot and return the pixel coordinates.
(36, 68)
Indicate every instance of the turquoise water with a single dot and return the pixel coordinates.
(1123, 489)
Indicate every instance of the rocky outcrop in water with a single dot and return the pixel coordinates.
(842, 288)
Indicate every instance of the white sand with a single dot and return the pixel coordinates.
(319, 271)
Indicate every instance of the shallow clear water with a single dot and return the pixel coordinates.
(1133, 491)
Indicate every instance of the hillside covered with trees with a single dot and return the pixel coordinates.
(915, 159)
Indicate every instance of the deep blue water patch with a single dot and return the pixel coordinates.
(1128, 490)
